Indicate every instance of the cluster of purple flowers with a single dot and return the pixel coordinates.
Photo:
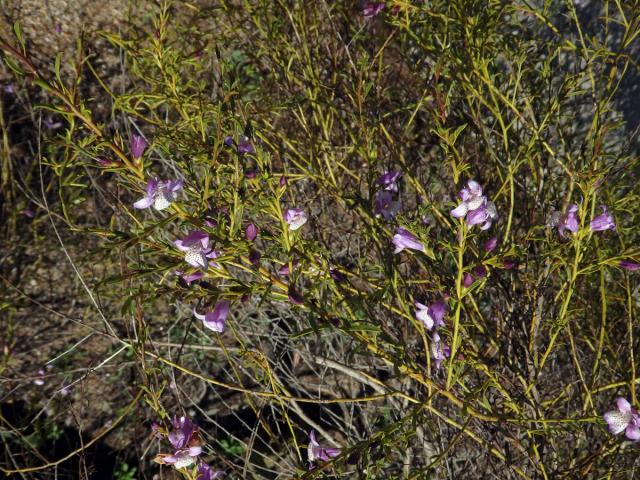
(569, 221)
(384, 203)
(185, 439)
(475, 206)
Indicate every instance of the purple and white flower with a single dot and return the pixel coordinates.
(433, 315)
(568, 221)
(216, 318)
(295, 218)
(197, 249)
(475, 206)
(186, 441)
(439, 349)
(189, 278)
(389, 180)
(624, 419)
(491, 244)
(603, 222)
(160, 194)
(316, 452)
(405, 239)
(385, 205)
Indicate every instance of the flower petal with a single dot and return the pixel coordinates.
(144, 202)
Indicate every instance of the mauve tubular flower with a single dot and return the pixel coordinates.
(216, 318)
(491, 244)
(569, 221)
(205, 473)
(433, 315)
(138, 146)
(295, 218)
(629, 265)
(186, 442)
(189, 278)
(284, 269)
(624, 419)
(475, 206)
(160, 194)
(603, 221)
(317, 452)
(251, 232)
(439, 349)
(385, 205)
(405, 239)
(197, 249)
(371, 9)
(389, 180)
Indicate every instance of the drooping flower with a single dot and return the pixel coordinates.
(405, 239)
(433, 315)
(251, 232)
(295, 218)
(389, 180)
(475, 206)
(624, 419)
(569, 221)
(206, 473)
(316, 452)
(439, 349)
(603, 222)
(371, 9)
(385, 205)
(160, 194)
(197, 249)
(138, 146)
(629, 265)
(216, 318)
(186, 441)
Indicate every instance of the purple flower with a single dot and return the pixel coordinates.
(9, 88)
(569, 221)
(251, 232)
(439, 349)
(317, 452)
(189, 278)
(603, 221)
(624, 419)
(160, 194)
(254, 256)
(385, 205)
(433, 315)
(205, 473)
(389, 180)
(228, 141)
(295, 218)
(197, 249)
(475, 206)
(480, 271)
(467, 280)
(105, 162)
(215, 319)
(284, 269)
(629, 265)
(283, 182)
(138, 146)
(491, 244)
(371, 9)
(405, 239)
(244, 146)
(186, 441)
